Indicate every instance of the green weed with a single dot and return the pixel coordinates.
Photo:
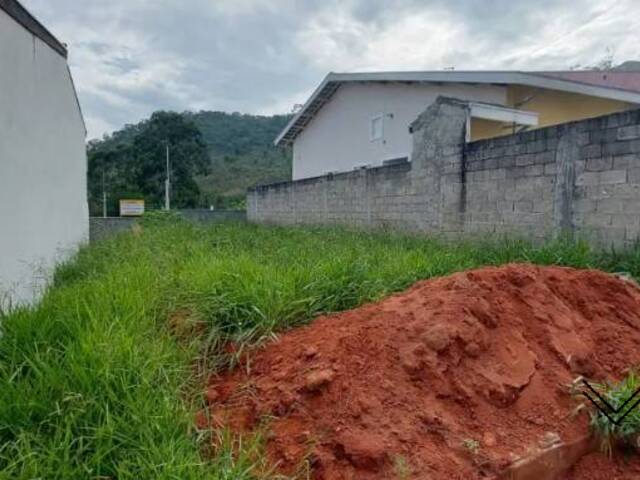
(628, 430)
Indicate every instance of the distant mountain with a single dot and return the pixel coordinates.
(242, 154)
(628, 66)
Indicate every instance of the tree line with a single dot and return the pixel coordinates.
(214, 157)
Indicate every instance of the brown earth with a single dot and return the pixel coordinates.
(453, 379)
(598, 467)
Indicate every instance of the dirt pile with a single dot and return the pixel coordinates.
(455, 378)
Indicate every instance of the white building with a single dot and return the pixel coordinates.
(362, 119)
(43, 193)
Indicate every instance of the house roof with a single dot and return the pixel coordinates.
(592, 85)
(15, 10)
(603, 78)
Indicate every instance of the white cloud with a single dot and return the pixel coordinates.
(131, 57)
(434, 38)
(336, 40)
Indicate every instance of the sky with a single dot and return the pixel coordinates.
(130, 58)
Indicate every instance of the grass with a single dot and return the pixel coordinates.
(627, 430)
(95, 384)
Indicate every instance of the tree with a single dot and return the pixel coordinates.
(188, 154)
(240, 154)
(134, 162)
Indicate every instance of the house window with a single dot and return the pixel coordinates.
(375, 129)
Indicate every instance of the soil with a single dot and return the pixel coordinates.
(598, 467)
(455, 378)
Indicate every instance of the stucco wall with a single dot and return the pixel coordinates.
(555, 107)
(337, 139)
(580, 178)
(43, 200)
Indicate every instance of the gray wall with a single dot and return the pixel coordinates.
(43, 162)
(581, 178)
(101, 228)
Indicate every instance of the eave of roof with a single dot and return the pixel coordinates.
(15, 10)
(332, 82)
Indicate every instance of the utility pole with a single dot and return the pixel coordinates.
(104, 196)
(167, 184)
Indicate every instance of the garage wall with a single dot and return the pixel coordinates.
(43, 197)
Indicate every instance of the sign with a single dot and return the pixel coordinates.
(131, 208)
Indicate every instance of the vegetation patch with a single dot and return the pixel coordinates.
(622, 425)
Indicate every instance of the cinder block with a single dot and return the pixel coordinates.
(544, 205)
(523, 206)
(592, 151)
(634, 175)
(602, 178)
(609, 205)
(584, 205)
(525, 160)
(550, 169)
(613, 176)
(621, 147)
(622, 221)
(628, 133)
(506, 161)
(599, 164)
(596, 219)
(626, 161)
(533, 170)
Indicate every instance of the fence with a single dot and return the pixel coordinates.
(580, 178)
(105, 227)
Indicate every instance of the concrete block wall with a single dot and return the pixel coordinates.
(378, 196)
(580, 178)
(404, 196)
(101, 228)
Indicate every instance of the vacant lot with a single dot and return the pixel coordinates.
(103, 379)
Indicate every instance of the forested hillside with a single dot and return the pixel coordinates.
(242, 154)
(240, 150)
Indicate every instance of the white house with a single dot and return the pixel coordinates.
(361, 119)
(43, 193)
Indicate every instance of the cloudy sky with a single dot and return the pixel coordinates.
(131, 57)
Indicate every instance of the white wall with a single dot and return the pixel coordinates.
(43, 197)
(337, 139)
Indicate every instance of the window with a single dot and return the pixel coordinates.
(375, 130)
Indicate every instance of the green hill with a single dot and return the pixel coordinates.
(240, 148)
(242, 154)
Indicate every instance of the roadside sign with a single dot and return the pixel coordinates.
(131, 208)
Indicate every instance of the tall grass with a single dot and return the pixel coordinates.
(95, 384)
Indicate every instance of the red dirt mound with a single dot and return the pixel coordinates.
(455, 378)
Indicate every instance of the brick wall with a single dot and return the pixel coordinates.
(580, 178)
